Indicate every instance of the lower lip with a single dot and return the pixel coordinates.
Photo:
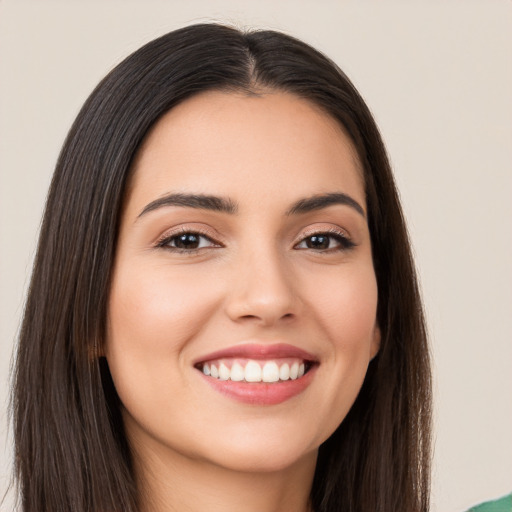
(262, 393)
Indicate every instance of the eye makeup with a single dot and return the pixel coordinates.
(319, 237)
(187, 240)
(192, 240)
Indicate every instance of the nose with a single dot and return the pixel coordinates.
(262, 290)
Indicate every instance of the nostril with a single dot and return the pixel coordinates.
(267, 318)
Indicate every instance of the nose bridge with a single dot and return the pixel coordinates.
(262, 286)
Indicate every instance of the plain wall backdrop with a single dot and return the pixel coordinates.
(438, 78)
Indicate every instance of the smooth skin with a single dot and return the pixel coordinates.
(258, 275)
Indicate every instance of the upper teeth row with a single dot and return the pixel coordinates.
(253, 372)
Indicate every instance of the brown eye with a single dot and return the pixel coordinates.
(318, 242)
(188, 241)
(326, 242)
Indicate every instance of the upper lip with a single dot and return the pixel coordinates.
(259, 351)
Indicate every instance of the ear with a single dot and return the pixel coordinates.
(375, 345)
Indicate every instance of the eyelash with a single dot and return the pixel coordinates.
(344, 243)
(167, 239)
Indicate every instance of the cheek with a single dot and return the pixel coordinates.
(345, 304)
(152, 317)
(345, 307)
(157, 309)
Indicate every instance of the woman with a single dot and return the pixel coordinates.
(224, 311)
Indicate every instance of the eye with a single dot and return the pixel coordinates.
(327, 242)
(186, 241)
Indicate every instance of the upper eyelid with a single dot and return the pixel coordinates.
(344, 241)
(326, 231)
(170, 234)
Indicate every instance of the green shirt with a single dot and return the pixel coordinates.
(502, 505)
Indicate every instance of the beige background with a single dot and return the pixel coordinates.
(437, 76)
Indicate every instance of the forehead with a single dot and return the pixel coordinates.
(225, 143)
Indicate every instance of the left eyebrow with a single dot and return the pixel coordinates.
(321, 201)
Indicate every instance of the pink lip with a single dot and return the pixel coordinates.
(257, 351)
(263, 393)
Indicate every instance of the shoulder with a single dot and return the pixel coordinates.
(502, 505)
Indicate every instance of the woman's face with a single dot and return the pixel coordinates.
(243, 260)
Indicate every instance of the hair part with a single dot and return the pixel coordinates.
(71, 452)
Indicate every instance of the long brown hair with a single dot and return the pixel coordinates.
(71, 453)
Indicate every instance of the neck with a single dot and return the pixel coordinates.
(172, 482)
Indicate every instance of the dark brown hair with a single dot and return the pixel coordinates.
(71, 453)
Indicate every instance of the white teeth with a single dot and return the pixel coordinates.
(284, 372)
(252, 372)
(270, 372)
(237, 372)
(224, 372)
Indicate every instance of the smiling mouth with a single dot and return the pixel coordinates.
(259, 374)
(255, 370)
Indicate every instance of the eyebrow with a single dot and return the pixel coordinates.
(320, 201)
(226, 205)
(200, 201)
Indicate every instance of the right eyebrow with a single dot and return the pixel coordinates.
(200, 201)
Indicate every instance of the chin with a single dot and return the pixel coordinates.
(256, 461)
(262, 454)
